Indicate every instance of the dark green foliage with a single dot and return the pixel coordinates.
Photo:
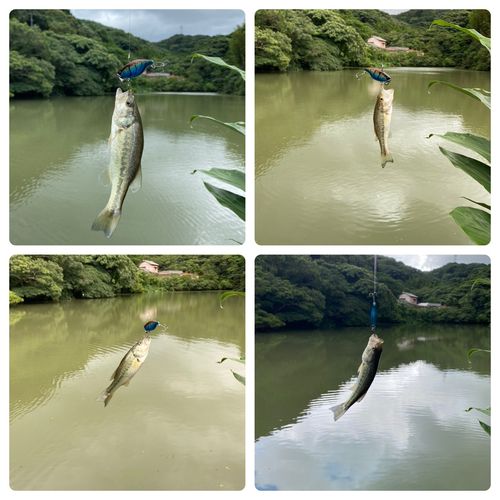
(57, 277)
(328, 40)
(237, 47)
(325, 291)
(35, 278)
(30, 76)
(53, 53)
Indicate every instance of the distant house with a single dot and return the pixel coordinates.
(408, 298)
(429, 304)
(377, 42)
(149, 266)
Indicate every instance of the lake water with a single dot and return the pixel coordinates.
(318, 173)
(58, 163)
(410, 432)
(179, 425)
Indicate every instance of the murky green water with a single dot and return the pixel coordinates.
(410, 432)
(319, 179)
(59, 154)
(179, 424)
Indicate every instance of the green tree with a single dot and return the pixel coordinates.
(30, 76)
(35, 278)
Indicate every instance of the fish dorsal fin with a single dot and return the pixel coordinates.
(361, 398)
(114, 373)
(119, 367)
(137, 182)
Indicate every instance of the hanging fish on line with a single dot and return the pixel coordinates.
(128, 367)
(366, 373)
(382, 115)
(126, 144)
(377, 74)
(134, 68)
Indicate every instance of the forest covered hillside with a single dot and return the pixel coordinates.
(53, 53)
(51, 278)
(325, 291)
(328, 40)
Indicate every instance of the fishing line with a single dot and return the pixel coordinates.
(373, 310)
(129, 24)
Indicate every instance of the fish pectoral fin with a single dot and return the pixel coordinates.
(359, 368)
(104, 177)
(136, 184)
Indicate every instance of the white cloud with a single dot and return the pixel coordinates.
(156, 25)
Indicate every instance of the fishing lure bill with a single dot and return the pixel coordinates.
(134, 68)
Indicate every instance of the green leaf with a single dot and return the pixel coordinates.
(481, 282)
(221, 62)
(480, 145)
(238, 377)
(226, 295)
(234, 177)
(486, 427)
(236, 126)
(478, 170)
(239, 360)
(484, 205)
(228, 199)
(475, 223)
(470, 352)
(479, 94)
(485, 411)
(483, 40)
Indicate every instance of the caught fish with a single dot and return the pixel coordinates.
(366, 373)
(127, 368)
(134, 68)
(126, 145)
(382, 122)
(378, 75)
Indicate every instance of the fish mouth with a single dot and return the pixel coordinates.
(376, 341)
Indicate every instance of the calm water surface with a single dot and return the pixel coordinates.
(319, 179)
(410, 432)
(179, 424)
(58, 163)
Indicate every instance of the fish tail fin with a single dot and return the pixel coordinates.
(107, 221)
(338, 411)
(387, 158)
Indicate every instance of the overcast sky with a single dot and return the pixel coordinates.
(429, 262)
(156, 25)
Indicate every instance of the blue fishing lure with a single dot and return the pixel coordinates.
(134, 68)
(150, 326)
(378, 75)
